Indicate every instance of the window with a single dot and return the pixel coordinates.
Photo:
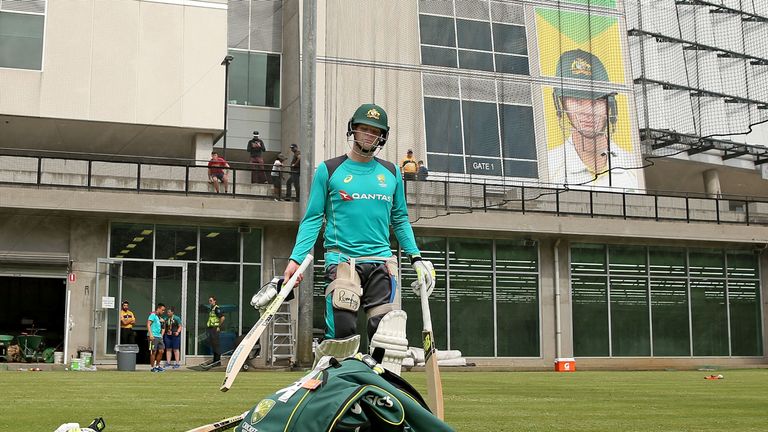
(665, 302)
(254, 79)
(480, 43)
(21, 40)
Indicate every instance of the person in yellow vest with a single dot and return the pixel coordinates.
(214, 325)
(127, 319)
(408, 166)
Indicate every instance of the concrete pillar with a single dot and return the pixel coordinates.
(88, 242)
(202, 145)
(712, 183)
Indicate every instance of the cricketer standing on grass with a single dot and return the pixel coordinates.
(359, 196)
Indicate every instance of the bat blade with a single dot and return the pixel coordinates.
(227, 423)
(242, 351)
(434, 382)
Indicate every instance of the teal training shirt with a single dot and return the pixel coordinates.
(359, 203)
(156, 325)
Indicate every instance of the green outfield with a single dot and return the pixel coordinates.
(475, 401)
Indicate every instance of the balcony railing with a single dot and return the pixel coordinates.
(433, 198)
(426, 199)
(122, 174)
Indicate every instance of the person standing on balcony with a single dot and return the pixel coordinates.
(256, 148)
(423, 172)
(216, 173)
(295, 167)
(409, 166)
(277, 176)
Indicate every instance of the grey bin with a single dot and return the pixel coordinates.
(126, 357)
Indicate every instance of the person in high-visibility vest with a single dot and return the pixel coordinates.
(214, 324)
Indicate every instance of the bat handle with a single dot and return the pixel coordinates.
(426, 316)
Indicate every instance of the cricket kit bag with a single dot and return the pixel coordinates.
(354, 395)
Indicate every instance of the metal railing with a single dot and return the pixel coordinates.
(133, 174)
(431, 198)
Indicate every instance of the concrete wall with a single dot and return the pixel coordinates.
(126, 61)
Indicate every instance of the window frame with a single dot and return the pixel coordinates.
(42, 50)
(280, 87)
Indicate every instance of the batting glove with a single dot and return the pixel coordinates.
(425, 275)
(266, 294)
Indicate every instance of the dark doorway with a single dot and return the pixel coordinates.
(34, 306)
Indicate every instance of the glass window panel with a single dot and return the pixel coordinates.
(667, 261)
(251, 284)
(437, 308)
(514, 168)
(443, 126)
(484, 166)
(630, 329)
(627, 260)
(515, 256)
(481, 129)
(709, 317)
(131, 240)
(437, 31)
(517, 312)
(475, 60)
(219, 244)
(446, 164)
(433, 249)
(512, 64)
(223, 282)
(588, 258)
(742, 265)
(589, 295)
(188, 317)
(746, 332)
(137, 289)
(254, 79)
(509, 39)
(706, 263)
(252, 246)
(238, 78)
(517, 132)
(264, 80)
(438, 56)
(470, 254)
(21, 41)
(474, 34)
(669, 311)
(176, 243)
(471, 309)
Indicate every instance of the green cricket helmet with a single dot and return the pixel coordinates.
(371, 115)
(581, 65)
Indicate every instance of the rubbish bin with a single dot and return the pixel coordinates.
(126, 357)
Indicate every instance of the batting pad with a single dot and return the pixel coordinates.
(390, 335)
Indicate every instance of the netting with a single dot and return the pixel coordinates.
(488, 94)
(700, 69)
(522, 97)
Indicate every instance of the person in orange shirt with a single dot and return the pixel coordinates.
(127, 319)
(408, 166)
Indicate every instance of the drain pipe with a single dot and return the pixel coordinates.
(558, 330)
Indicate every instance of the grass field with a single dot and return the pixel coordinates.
(475, 401)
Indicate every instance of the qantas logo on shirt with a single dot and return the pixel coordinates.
(364, 196)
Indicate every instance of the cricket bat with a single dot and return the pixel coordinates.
(434, 383)
(227, 423)
(246, 345)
